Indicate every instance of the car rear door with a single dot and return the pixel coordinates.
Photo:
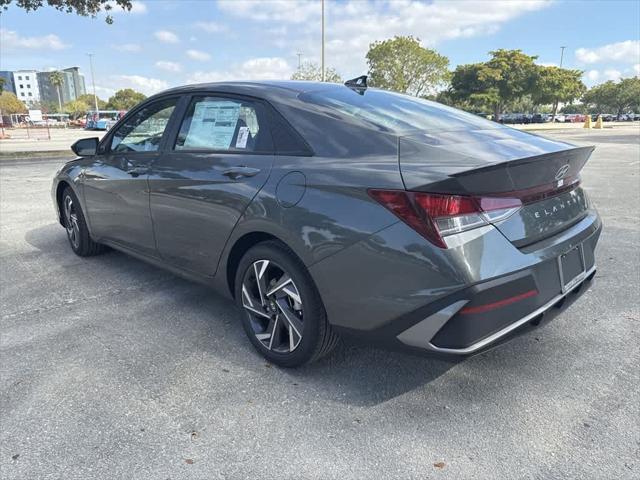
(217, 159)
(115, 184)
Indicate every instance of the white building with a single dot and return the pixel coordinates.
(26, 85)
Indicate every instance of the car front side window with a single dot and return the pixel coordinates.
(142, 132)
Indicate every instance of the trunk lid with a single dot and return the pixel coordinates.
(501, 162)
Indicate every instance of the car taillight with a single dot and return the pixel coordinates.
(434, 216)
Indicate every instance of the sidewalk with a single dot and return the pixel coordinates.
(35, 141)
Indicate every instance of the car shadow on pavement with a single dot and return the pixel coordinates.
(353, 374)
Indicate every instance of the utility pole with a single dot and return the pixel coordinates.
(299, 62)
(322, 56)
(555, 104)
(93, 82)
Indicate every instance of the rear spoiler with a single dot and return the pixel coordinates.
(492, 166)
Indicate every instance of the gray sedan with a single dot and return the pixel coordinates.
(328, 210)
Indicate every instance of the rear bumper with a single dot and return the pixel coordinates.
(397, 291)
(535, 317)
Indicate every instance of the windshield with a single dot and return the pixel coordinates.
(395, 112)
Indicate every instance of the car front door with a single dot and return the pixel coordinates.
(219, 157)
(116, 189)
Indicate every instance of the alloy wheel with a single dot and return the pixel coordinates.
(274, 306)
(71, 221)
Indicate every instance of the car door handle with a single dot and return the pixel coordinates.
(242, 171)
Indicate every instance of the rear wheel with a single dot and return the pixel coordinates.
(76, 226)
(283, 313)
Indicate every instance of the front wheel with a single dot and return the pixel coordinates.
(283, 313)
(76, 226)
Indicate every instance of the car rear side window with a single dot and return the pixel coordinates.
(223, 124)
(395, 112)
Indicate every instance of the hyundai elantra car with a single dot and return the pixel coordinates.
(327, 210)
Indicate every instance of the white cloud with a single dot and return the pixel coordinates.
(198, 55)
(127, 47)
(592, 75)
(211, 27)
(623, 52)
(636, 69)
(11, 40)
(273, 11)
(102, 92)
(166, 36)
(353, 25)
(145, 85)
(612, 74)
(169, 66)
(136, 8)
(265, 68)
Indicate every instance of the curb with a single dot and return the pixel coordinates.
(43, 155)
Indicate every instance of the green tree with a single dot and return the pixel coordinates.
(9, 104)
(76, 108)
(574, 108)
(125, 99)
(401, 64)
(85, 8)
(89, 100)
(620, 97)
(48, 107)
(505, 78)
(311, 71)
(57, 80)
(554, 84)
(2, 82)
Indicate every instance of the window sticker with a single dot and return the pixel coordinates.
(212, 125)
(243, 136)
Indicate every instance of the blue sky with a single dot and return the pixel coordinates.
(163, 43)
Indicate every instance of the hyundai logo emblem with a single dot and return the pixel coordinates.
(562, 172)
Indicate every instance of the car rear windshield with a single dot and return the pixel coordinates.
(395, 112)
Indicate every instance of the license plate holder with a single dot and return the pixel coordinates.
(571, 266)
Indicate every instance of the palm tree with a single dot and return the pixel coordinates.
(57, 80)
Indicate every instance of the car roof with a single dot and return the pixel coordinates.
(268, 89)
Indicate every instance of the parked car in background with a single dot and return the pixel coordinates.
(103, 119)
(328, 209)
(574, 118)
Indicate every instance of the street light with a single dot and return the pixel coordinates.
(561, 55)
(93, 81)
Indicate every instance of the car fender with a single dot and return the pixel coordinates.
(70, 173)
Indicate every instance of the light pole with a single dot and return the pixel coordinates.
(299, 62)
(93, 82)
(322, 56)
(561, 55)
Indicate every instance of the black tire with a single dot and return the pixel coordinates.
(79, 237)
(317, 338)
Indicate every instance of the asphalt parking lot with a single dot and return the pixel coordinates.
(111, 368)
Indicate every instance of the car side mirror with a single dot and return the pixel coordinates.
(85, 147)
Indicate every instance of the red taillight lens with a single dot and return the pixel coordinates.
(435, 216)
(400, 203)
